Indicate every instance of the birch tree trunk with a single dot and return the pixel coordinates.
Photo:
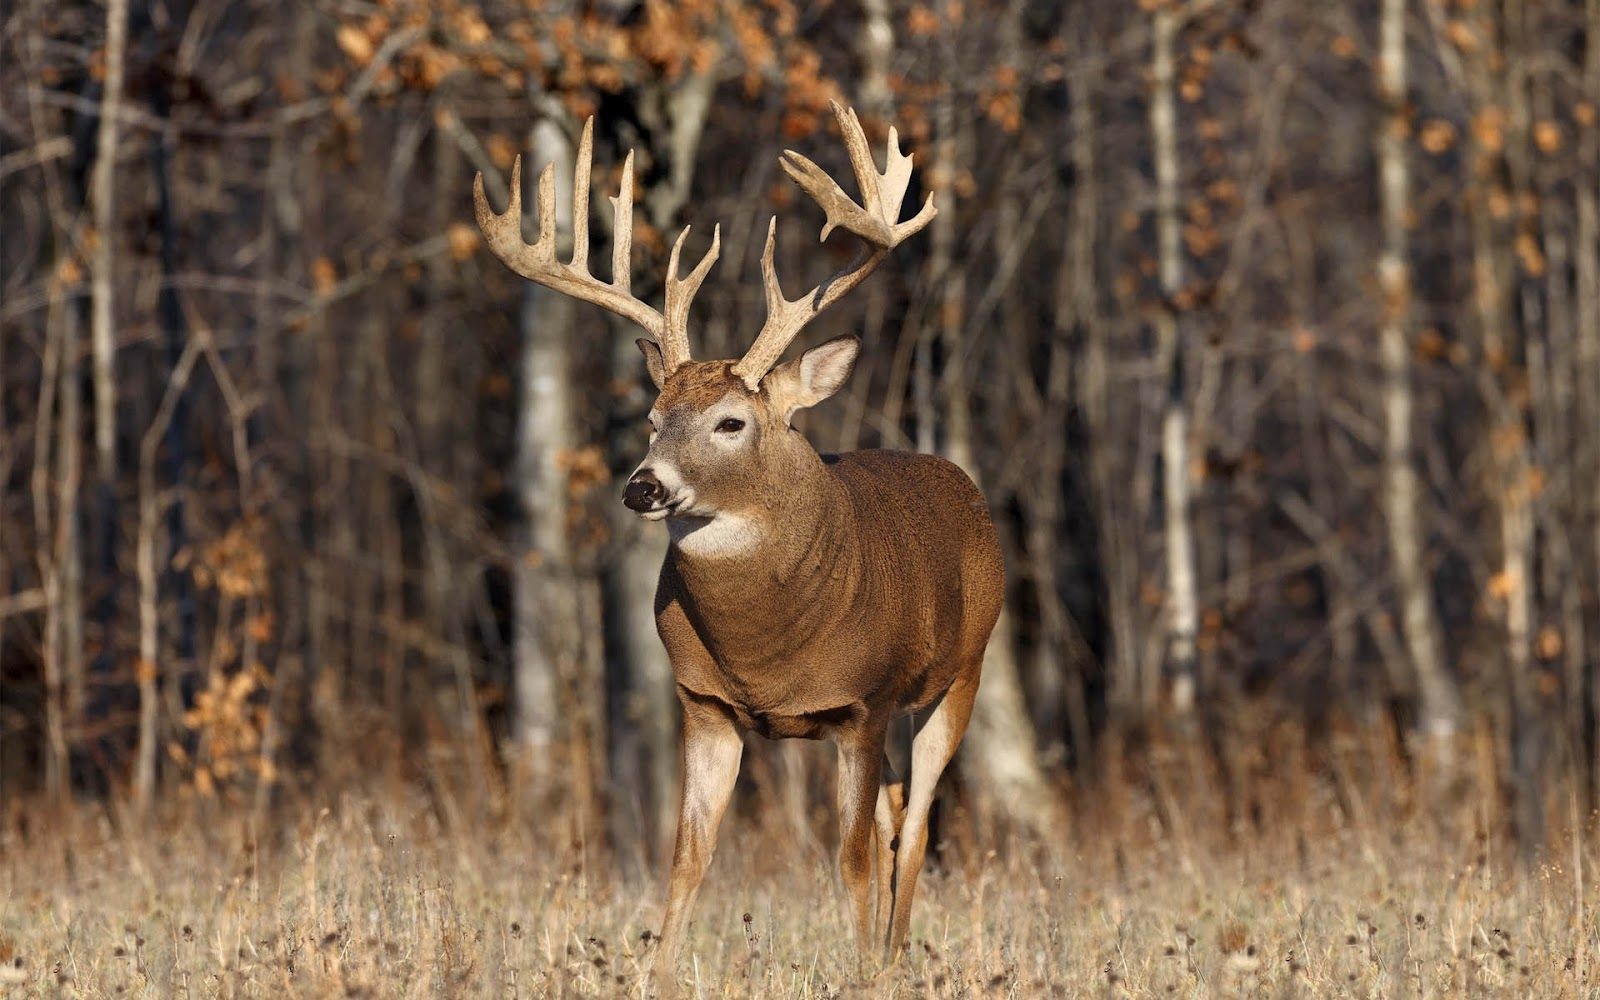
(102, 518)
(1493, 83)
(68, 649)
(545, 639)
(1182, 605)
(877, 51)
(1438, 707)
(1524, 319)
(61, 651)
(103, 196)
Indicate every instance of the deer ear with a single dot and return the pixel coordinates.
(653, 361)
(814, 375)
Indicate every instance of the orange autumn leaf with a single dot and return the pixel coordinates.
(1550, 643)
(464, 240)
(353, 42)
(1502, 585)
(324, 276)
(261, 626)
(1462, 35)
(1547, 136)
(922, 22)
(502, 150)
(1437, 136)
(1530, 255)
(1536, 481)
(1431, 344)
(1488, 128)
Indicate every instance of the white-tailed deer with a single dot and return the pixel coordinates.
(803, 595)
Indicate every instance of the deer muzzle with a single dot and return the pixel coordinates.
(644, 492)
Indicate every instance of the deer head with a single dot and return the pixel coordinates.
(721, 445)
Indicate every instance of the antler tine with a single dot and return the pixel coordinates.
(622, 230)
(896, 177)
(547, 211)
(875, 221)
(776, 303)
(580, 199)
(493, 224)
(537, 261)
(855, 144)
(680, 293)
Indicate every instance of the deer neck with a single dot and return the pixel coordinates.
(764, 579)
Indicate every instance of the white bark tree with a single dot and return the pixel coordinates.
(103, 193)
(1438, 706)
(546, 640)
(1182, 603)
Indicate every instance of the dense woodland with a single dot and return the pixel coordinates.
(1270, 329)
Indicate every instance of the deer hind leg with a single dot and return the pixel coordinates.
(931, 750)
(887, 818)
(860, 770)
(711, 752)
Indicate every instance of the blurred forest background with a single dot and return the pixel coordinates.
(1271, 330)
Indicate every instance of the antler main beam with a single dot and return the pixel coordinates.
(537, 261)
(874, 220)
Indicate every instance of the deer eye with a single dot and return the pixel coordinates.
(730, 425)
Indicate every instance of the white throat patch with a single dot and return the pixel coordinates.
(713, 537)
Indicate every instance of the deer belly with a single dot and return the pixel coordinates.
(807, 726)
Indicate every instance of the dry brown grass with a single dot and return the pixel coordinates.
(374, 898)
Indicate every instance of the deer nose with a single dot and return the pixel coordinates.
(644, 491)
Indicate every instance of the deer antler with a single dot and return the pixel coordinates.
(537, 261)
(875, 221)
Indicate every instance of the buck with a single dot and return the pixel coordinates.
(802, 595)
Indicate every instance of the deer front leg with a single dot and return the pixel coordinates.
(711, 752)
(860, 768)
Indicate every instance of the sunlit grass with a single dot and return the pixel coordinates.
(374, 899)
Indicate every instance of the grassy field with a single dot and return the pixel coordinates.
(373, 898)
